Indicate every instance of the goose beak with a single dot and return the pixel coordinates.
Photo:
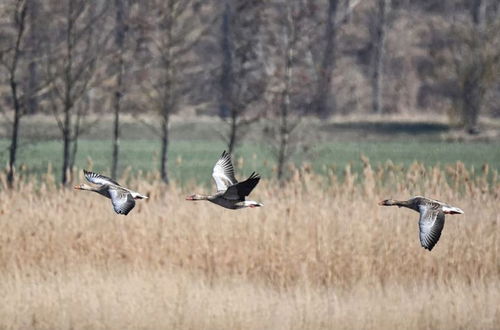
(77, 187)
(256, 205)
(386, 202)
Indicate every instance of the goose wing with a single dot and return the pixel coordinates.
(431, 225)
(223, 172)
(122, 200)
(98, 178)
(242, 189)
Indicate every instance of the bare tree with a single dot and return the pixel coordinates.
(288, 83)
(227, 64)
(324, 101)
(72, 57)
(478, 62)
(34, 39)
(243, 80)
(172, 36)
(10, 60)
(121, 7)
(289, 37)
(383, 7)
(467, 57)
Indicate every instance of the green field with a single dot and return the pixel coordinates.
(193, 160)
(196, 143)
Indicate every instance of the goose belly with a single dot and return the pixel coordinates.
(226, 203)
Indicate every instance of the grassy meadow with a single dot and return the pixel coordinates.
(315, 256)
(320, 254)
(195, 144)
(192, 161)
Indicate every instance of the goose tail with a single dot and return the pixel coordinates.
(136, 195)
(447, 209)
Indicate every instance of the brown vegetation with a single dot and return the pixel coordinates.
(318, 255)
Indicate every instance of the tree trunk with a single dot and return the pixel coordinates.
(34, 36)
(119, 40)
(284, 130)
(226, 105)
(74, 138)
(20, 20)
(322, 105)
(66, 144)
(13, 143)
(226, 74)
(68, 89)
(478, 12)
(116, 133)
(472, 96)
(66, 153)
(473, 89)
(379, 51)
(168, 96)
(164, 148)
(233, 131)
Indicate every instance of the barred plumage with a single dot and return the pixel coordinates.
(431, 221)
(123, 199)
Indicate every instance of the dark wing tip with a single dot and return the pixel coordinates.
(225, 156)
(430, 243)
(85, 172)
(255, 176)
(88, 174)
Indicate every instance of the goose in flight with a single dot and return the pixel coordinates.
(123, 199)
(431, 221)
(230, 193)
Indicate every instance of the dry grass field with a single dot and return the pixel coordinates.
(321, 254)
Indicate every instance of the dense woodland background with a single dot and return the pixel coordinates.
(243, 61)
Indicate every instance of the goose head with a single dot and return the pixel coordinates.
(195, 197)
(387, 202)
(83, 186)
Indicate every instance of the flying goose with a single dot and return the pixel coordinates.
(230, 193)
(431, 221)
(123, 199)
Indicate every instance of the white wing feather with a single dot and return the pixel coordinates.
(223, 172)
(98, 178)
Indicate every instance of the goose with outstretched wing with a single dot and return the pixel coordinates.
(431, 221)
(123, 199)
(230, 193)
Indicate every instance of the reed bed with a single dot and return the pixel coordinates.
(320, 254)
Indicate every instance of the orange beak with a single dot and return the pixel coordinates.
(77, 187)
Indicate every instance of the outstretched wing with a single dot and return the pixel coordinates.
(223, 172)
(98, 178)
(122, 201)
(431, 225)
(242, 189)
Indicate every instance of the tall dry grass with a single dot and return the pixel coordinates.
(320, 254)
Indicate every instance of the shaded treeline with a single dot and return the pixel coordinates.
(243, 61)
